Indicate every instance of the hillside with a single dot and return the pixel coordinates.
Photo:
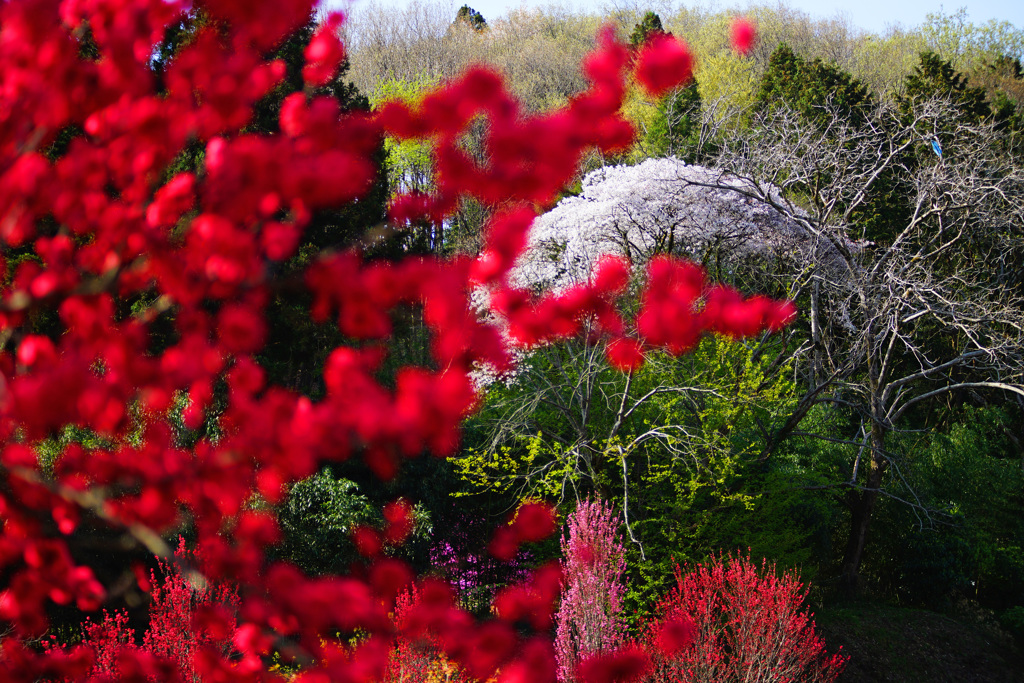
(899, 645)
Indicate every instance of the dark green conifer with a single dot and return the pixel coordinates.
(936, 77)
(815, 89)
(650, 23)
(469, 16)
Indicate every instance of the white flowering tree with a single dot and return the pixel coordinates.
(661, 206)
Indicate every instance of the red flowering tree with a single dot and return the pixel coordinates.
(132, 291)
(730, 621)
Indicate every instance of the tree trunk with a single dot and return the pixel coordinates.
(862, 503)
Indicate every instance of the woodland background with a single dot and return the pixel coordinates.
(874, 447)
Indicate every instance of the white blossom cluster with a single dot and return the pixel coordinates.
(661, 206)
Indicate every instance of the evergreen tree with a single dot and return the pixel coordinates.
(936, 77)
(650, 23)
(675, 131)
(815, 89)
(469, 16)
(823, 95)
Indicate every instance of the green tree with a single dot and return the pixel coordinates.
(676, 130)
(648, 24)
(470, 17)
(408, 161)
(727, 83)
(675, 445)
(297, 347)
(817, 90)
(317, 521)
(963, 534)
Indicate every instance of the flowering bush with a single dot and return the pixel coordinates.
(108, 249)
(176, 605)
(730, 621)
(590, 613)
(412, 661)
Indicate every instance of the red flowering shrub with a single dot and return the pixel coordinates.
(187, 623)
(92, 222)
(730, 621)
(102, 640)
(412, 659)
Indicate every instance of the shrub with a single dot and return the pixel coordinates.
(417, 660)
(186, 618)
(184, 621)
(749, 625)
(590, 614)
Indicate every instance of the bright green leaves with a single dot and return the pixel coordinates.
(408, 161)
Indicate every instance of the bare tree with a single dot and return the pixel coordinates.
(896, 319)
(539, 51)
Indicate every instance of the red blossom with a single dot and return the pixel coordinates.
(664, 62)
(611, 275)
(325, 53)
(534, 522)
(675, 635)
(399, 519)
(744, 35)
(621, 666)
(730, 619)
(368, 541)
(389, 577)
(504, 545)
(625, 354)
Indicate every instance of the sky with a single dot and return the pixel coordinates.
(871, 15)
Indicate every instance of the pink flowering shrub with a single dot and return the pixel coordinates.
(589, 620)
